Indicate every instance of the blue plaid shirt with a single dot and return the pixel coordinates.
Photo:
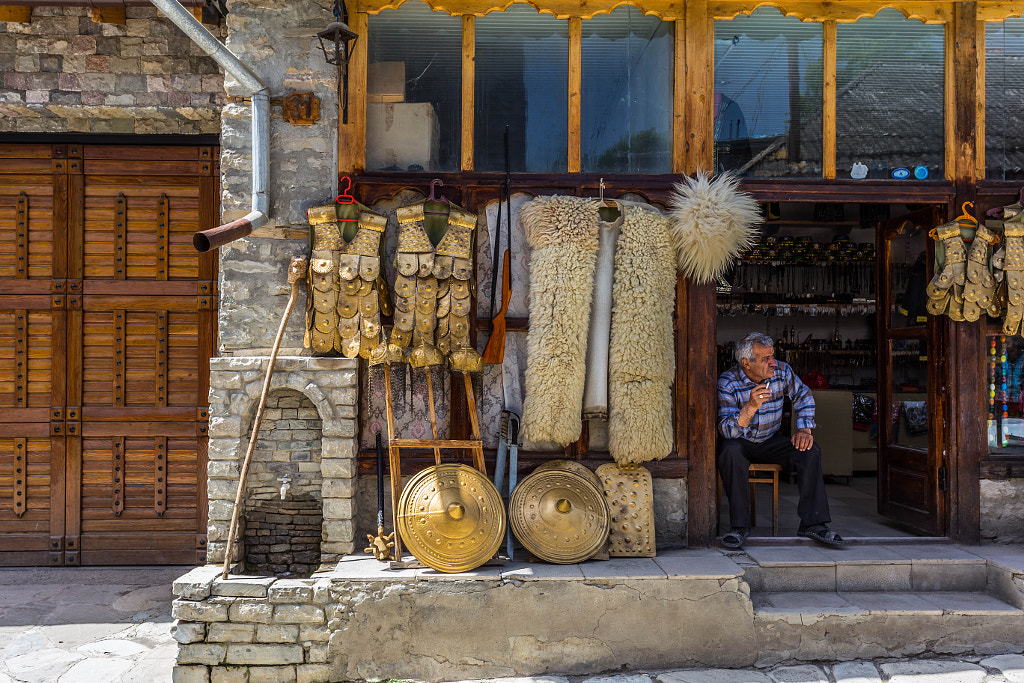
(734, 389)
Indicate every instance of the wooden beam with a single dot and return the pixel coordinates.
(352, 135)
(966, 378)
(109, 15)
(699, 87)
(828, 100)
(679, 100)
(468, 90)
(950, 105)
(979, 108)
(575, 89)
(698, 405)
(667, 10)
(846, 11)
(18, 14)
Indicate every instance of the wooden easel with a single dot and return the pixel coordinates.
(474, 444)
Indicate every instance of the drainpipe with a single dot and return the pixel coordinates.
(201, 36)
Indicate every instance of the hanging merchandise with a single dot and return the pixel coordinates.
(946, 290)
(1013, 231)
(433, 287)
(980, 288)
(563, 234)
(712, 224)
(347, 294)
(629, 494)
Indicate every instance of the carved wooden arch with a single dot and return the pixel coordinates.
(666, 10)
(999, 11)
(840, 12)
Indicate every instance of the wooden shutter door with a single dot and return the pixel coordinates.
(33, 267)
(129, 361)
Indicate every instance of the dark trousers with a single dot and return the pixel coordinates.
(735, 457)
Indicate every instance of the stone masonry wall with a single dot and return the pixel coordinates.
(1002, 509)
(289, 445)
(63, 73)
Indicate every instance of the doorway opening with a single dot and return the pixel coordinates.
(840, 288)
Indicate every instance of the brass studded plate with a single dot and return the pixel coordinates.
(629, 494)
(559, 516)
(451, 518)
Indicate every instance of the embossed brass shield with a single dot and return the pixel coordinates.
(451, 518)
(559, 516)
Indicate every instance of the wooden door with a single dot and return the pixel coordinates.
(115, 315)
(911, 473)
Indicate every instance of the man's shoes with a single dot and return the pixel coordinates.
(821, 534)
(735, 538)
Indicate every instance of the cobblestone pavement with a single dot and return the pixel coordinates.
(113, 625)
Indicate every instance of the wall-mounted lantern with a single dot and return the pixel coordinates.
(337, 41)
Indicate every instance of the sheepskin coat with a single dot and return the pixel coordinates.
(641, 364)
(563, 236)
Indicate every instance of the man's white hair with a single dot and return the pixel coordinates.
(745, 346)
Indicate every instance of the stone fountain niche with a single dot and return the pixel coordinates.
(306, 440)
(281, 528)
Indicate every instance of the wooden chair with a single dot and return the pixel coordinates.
(765, 474)
(761, 474)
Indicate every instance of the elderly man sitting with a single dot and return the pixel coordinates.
(750, 397)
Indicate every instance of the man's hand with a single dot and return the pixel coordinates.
(759, 395)
(802, 440)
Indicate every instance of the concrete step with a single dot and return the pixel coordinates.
(831, 625)
(902, 568)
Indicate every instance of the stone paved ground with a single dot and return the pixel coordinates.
(113, 625)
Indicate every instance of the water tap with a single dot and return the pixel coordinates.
(286, 483)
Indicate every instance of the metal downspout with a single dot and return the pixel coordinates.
(201, 36)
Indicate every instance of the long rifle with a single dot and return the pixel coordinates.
(494, 352)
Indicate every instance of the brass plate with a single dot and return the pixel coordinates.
(629, 495)
(559, 516)
(451, 518)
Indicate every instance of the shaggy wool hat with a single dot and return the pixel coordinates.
(712, 224)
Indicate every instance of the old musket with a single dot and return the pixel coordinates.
(494, 352)
(296, 272)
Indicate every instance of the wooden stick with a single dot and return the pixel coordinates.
(296, 271)
(433, 416)
(394, 462)
(474, 423)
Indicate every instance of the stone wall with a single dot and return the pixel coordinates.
(289, 446)
(282, 537)
(64, 73)
(1002, 509)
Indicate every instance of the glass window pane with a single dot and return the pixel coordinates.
(909, 393)
(890, 78)
(627, 93)
(522, 79)
(1004, 367)
(414, 95)
(1004, 100)
(908, 277)
(768, 95)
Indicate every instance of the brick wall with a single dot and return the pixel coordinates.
(62, 72)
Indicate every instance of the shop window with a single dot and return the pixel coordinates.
(768, 95)
(627, 93)
(522, 80)
(413, 108)
(1004, 100)
(1004, 365)
(890, 97)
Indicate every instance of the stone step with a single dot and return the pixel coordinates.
(830, 626)
(864, 568)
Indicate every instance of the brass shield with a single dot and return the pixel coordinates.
(451, 518)
(630, 498)
(559, 516)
